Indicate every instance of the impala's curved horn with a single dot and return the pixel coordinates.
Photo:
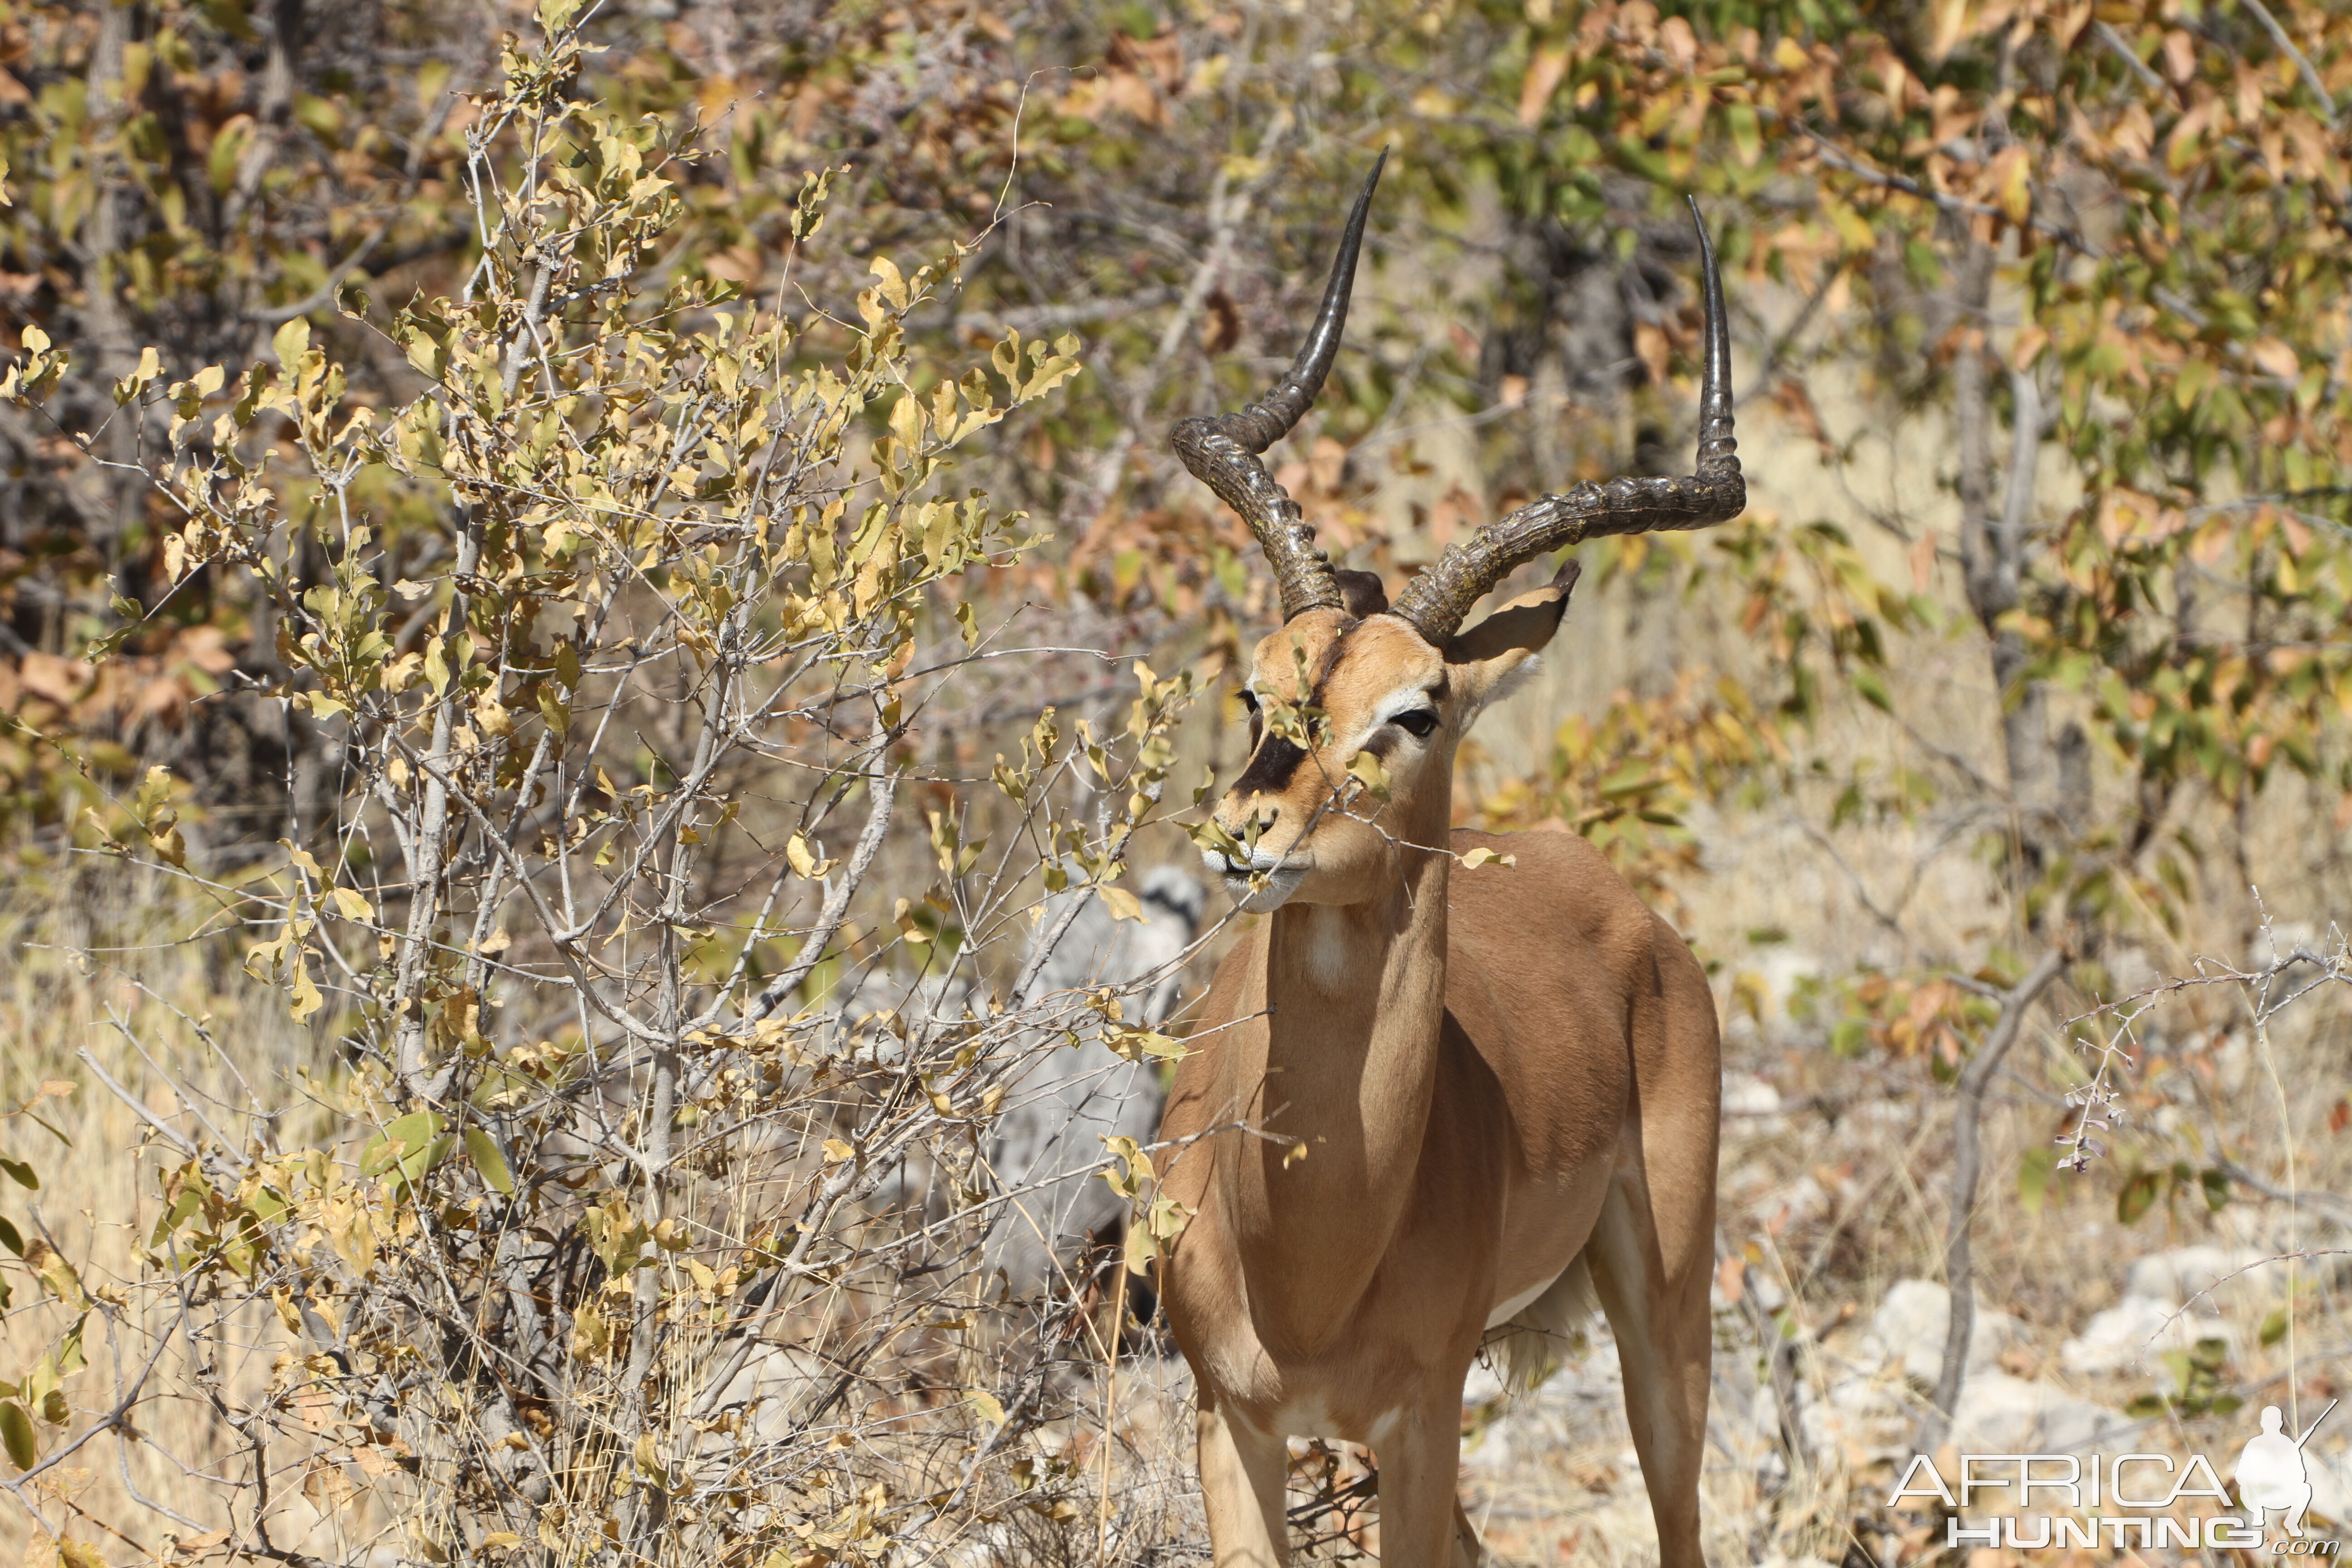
(1222, 449)
(1436, 601)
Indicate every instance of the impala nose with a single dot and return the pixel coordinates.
(1269, 772)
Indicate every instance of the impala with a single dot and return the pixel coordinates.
(1436, 1097)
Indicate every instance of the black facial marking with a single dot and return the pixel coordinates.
(1328, 662)
(1269, 771)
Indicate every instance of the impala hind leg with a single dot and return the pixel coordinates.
(1656, 1300)
(1241, 1474)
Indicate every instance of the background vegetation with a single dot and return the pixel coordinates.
(588, 597)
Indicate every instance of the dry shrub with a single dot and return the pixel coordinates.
(574, 1142)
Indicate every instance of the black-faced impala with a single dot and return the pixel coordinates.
(1452, 1095)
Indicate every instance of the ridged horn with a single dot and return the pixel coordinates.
(1436, 602)
(1222, 450)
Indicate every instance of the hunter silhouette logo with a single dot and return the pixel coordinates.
(2271, 1471)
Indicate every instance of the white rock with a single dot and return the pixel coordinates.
(1781, 969)
(1754, 1099)
(2001, 1413)
(1802, 1201)
(2070, 1425)
(1862, 1413)
(1912, 1321)
(2201, 1275)
(1998, 1413)
(1490, 1448)
(2131, 1335)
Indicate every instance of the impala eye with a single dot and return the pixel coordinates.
(1421, 723)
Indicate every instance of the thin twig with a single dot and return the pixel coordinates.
(1975, 1079)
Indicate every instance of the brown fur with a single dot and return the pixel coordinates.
(1419, 1093)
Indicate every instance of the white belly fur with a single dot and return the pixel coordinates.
(1519, 1303)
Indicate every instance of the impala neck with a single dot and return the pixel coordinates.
(1357, 993)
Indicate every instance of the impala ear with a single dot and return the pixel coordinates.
(1497, 655)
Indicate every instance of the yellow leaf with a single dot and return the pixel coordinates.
(1544, 72)
(1853, 228)
(2275, 357)
(491, 715)
(1142, 1246)
(50, 1266)
(290, 342)
(836, 1151)
(804, 860)
(1951, 27)
(352, 905)
(1483, 856)
(986, 1403)
(2032, 339)
(305, 997)
(2010, 177)
(1123, 904)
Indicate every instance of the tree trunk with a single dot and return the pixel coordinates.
(2047, 780)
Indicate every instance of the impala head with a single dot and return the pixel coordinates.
(1349, 677)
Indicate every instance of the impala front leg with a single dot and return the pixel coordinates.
(1242, 1473)
(1421, 1521)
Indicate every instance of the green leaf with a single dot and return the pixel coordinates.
(2275, 1326)
(2033, 1175)
(21, 1173)
(410, 1145)
(2139, 1194)
(10, 1239)
(483, 1149)
(16, 1431)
